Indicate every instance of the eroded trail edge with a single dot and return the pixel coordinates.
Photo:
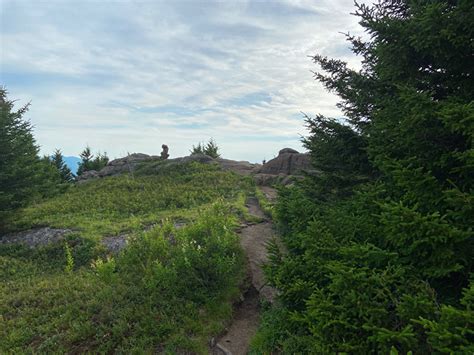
(253, 239)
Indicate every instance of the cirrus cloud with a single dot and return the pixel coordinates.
(127, 76)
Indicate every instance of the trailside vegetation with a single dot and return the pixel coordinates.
(169, 291)
(380, 244)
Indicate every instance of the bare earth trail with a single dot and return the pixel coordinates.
(253, 239)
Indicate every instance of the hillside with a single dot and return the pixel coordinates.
(362, 244)
(170, 289)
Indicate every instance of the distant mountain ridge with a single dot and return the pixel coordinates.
(72, 163)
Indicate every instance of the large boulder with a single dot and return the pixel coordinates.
(288, 162)
(169, 163)
(118, 166)
(126, 164)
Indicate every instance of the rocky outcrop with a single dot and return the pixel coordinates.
(288, 162)
(130, 163)
(287, 167)
(126, 164)
(282, 169)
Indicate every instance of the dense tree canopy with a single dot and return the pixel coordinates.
(380, 240)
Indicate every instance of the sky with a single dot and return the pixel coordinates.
(129, 76)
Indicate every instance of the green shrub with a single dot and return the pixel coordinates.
(210, 148)
(380, 239)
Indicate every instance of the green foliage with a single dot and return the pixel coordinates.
(18, 157)
(24, 177)
(210, 148)
(69, 258)
(89, 162)
(169, 291)
(266, 206)
(379, 239)
(105, 268)
(57, 160)
(453, 331)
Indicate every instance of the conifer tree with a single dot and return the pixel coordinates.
(85, 163)
(19, 161)
(210, 148)
(64, 172)
(380, 240)
(88, 162)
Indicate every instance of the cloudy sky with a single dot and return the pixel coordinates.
(128, 76)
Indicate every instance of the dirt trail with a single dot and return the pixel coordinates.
(253, 239)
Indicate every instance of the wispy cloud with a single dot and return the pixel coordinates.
(126, 76)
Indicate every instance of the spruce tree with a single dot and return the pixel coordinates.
(380, 240)
(64, 172)
(19, 161)
(85, 163)
(88, 162)
(211, 149)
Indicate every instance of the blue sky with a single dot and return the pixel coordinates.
(128, 76)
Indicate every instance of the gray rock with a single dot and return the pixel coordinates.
(36, 237)
(126, 164)
(288, 162)
(115, 244)
(200, 158)
(88, 175)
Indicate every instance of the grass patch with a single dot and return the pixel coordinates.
(266, 206)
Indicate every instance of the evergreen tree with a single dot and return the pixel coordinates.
(19, 159)
(210, 148)
(198, 149)
(380, 240)
(86, 158)
(88, 162)
(57, 160)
